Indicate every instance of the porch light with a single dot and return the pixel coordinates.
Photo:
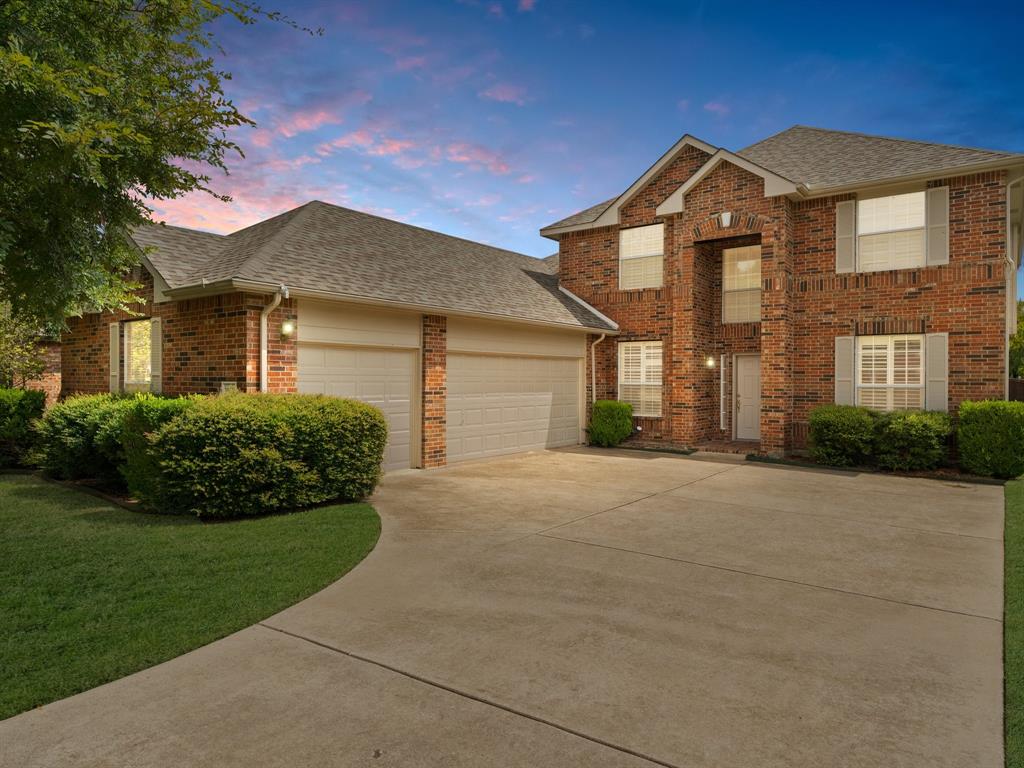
(710, 362)
(725, 217)
(288, 327)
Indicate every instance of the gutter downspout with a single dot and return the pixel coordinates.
(593, 368)
(282, 293)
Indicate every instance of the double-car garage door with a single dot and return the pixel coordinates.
(510, 388)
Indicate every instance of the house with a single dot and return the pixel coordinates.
(722, 294)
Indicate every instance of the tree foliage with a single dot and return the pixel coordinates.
(1017, 345)
(21, 355)
(107, 104)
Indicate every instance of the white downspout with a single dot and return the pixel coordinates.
(593, 368)
(282, 293)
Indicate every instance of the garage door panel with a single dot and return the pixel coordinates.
(381, 377)
(502, 404)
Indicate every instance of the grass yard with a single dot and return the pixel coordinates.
(1013, 628)
(92, 592)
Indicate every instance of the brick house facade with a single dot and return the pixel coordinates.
(805, 302)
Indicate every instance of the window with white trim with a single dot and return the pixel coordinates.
(640, 376)
(642, 257)
(891, 232)
(890, 372)
(741, 284)
(138, 355)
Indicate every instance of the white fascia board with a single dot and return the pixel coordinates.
(774, 185)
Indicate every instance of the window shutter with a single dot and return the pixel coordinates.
(844, 370)
(846, 236)
(115, 357)
(936, 361)
(937, 226)
(156, 356)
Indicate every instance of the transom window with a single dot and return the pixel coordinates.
(640, 376)
(741, 284)
(138, 355)
(642, 257)
(891, 232)
(890, 372)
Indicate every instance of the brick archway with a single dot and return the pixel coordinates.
(741, 224)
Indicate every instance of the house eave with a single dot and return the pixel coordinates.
(1016, 165)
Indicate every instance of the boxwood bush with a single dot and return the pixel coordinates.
(243, 455)
(841, 435)
(81, 438)
(990, 438)
(144, 415)
(611, 422)
(19, 408)
(909, 440)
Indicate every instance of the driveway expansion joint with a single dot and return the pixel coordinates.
(473, 697)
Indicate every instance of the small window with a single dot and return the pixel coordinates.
(891, 232)
(642, 257)
(138, 355)
(890, 372)
(640, 376)
(741, 284)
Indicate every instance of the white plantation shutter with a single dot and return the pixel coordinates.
(156, 356)
(846, 236)
(937, 226)
(890, 372)
(844, 370)
(937, 381)
(640, 376)
(115, 357)
(641, 257)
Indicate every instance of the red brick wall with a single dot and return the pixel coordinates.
(805, 304)
(205, 341)
(435, 391)
(49, 380)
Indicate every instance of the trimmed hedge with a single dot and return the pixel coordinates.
(841, 435)
(244, 455)
(990, 438)
(19, 408)
(81, 438)
(909, 440)
(611, 422)
(144, 416)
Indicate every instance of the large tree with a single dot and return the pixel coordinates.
(104, 105)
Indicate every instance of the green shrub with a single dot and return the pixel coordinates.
(909, 440)
(81, 438)
(841, 435)
(611, 422)
(18, 409)
(240, 455)
(144, 416)
(990, 438)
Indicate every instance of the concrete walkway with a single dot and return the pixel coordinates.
(599, 609)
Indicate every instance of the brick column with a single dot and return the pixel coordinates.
(777, 331)
(681, 371)
(433, 440)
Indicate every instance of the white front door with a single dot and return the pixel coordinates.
(748, 397)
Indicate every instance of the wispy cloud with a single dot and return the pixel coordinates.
(717, 108)
(505, 93)
(527, 5)
(477, 157)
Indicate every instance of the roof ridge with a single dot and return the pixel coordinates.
(299, 213)
(433, 232)
(193, 230)
(918, 142)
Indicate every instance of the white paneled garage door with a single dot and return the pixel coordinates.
(504, 404)
(385, 378)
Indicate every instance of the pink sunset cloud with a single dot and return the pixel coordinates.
(310, 120)
(360, 138)
(389, 147)
(505, 93)
(477, 156)
(717, 108)
(527, 5)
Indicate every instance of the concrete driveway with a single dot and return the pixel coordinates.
(600, 609)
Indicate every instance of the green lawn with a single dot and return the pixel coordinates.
(1013, 628)
(90, 592)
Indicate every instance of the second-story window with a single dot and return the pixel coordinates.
(891, 232)
(642, 257)
(741, 284)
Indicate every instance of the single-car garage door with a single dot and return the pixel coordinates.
(385, 378)
(504, 404)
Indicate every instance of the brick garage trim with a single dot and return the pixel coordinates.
(434, 356)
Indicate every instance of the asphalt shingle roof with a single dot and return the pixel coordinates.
(339, 251)
(820, 158)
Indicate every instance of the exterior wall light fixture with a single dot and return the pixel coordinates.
(288, 327)
(710, 361)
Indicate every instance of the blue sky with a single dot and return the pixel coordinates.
(488, 119)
